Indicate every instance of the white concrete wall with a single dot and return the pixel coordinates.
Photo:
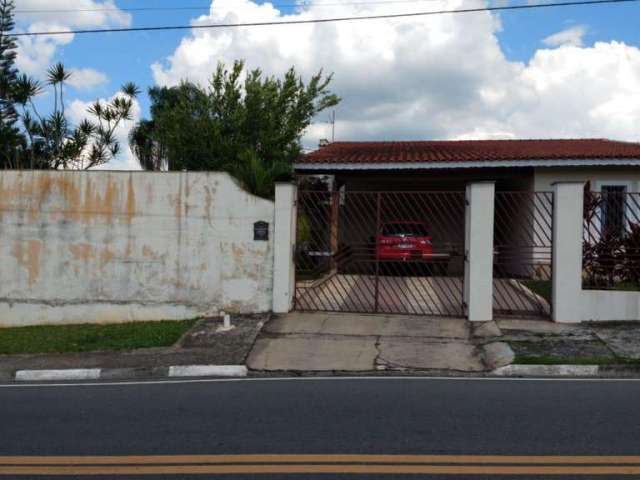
(122, 246)
(570, 302)
(609, 305)
(545, 177)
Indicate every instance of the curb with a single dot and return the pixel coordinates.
(184, 371)
(208, 371)
(66, 374)
(174, 371)
(548, 371)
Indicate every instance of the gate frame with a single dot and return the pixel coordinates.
(476, 302)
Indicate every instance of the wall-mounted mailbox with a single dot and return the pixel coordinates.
(261, 231)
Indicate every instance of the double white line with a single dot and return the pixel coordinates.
(317, 464)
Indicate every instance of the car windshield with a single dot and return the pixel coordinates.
(405, 230)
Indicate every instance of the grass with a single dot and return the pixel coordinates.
(90, 337)
(551, 360)
(556, 360)
(540, 287)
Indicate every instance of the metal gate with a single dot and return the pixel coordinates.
(387, 252)
(523, 232)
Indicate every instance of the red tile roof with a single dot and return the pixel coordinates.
(469, 151)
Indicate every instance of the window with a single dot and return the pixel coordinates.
(613, 208)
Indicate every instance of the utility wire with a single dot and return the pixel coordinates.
(320, 20)
(208, 6)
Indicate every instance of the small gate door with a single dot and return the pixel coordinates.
(380, 252)
(523, 231)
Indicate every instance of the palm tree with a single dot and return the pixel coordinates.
(25, 89)
(256, 176)
(56, 76)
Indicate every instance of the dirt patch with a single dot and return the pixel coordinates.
(231, 346)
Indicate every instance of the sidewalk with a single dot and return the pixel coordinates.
(591, 348)
(329, 342)
(203, 345)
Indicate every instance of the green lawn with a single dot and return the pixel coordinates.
(88, 337)
(541, 287)
(551, 360)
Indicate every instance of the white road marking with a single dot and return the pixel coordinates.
(312, 379)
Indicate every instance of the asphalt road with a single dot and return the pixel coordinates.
(445, 419)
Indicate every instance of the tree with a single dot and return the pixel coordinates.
(52, 143)
(10, 137)
(250, 129)
(29, 139)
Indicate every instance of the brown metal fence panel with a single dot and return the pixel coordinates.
(523, 232)
(611, 240)
(380, 252)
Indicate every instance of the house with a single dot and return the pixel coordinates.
(377, 187)
(515, 165)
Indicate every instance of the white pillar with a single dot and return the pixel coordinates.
(478, 266)
(568, 198)
(284, 239)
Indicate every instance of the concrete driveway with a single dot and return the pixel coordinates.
(411, 295)
(396, 294)
(355, 342)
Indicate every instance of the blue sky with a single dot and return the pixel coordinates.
(454, 76)
(523, 31)
(128, 56)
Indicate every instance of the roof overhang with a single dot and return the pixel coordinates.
(564, 162)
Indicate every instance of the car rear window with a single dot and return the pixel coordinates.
(405, 229)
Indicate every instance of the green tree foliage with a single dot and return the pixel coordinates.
(249, 128)
(52, 143)
(10, 137)
(31, 140)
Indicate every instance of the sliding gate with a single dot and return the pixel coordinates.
(380, 252)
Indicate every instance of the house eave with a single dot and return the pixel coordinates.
(565, 162)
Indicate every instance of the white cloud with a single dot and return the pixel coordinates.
(35, 54)
(87, 78)
(424, 77)
(73, 13)
(571, 36)
(77, 111)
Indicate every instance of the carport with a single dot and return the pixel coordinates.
(350, 191)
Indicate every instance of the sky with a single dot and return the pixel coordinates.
(570, 72)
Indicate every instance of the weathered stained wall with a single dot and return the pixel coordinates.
(120, 246)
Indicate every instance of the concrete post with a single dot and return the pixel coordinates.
(568, 198)
(478, 266)
(284, 240)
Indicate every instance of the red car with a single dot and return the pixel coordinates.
(404, 240)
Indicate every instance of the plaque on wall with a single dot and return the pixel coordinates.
(261, 231)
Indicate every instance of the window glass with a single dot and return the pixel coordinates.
(613, 203)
